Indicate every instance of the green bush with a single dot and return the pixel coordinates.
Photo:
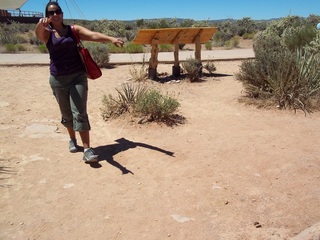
(133, 48)
(220, 37)
(232, 43)
(314, 46)
(298, 37)
(6, 38)
(210, 67)
(114, 49)
(10, 47)
(130, 35)
(281, 74)
(42, 48)
(128, 47)
(20, 47)
(99, 53)
(193, 68)
(157, 106)
(33, 40)
(139, 74)
(165, 48)
(208, 45)
(248, 36)
(20, 39)
(125, 101)
(139, 101)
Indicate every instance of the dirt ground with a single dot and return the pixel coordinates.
(230, 172)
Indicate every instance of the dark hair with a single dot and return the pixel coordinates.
(50, 4)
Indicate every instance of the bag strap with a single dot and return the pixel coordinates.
(75, 34)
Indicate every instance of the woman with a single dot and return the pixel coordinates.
(67, 75)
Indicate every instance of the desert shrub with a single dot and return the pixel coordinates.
(232, 43)
(308, 63)
(248, 36)
(210, 67)
(13, 33)
(110, 27)
(21, 39)
(10, 48)
(42, 48)
(314, 46)
(139, 101)
(33, 40)
(187, 23)
(114, 49)
(133, 48)
(99, 52)
(208, 45)
(220, 37)
(193, 68)
(6, 38)
(165, 48)
(130, 35)
(245, 25)
(125, 101)
(298, 37)
(156, 105)
(128, 47)
(20, 47)
(139, 74)
(289, 78)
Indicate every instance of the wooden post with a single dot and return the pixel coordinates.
(198, 47)
(176, 67)
(153, 62)
(198, 51)
(174, 36)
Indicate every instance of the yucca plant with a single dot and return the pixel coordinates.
(127, 97)
(130, 94)
(289, 76)
(309, 73)
(140, 101)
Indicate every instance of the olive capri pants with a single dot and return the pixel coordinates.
(71, 92)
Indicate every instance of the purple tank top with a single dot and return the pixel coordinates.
(64, 55)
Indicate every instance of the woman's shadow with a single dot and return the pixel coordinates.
(107, 152)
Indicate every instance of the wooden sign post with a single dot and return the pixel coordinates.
(174, 36)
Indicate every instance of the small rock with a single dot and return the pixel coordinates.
(257, 225)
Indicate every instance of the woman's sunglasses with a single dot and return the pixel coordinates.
(58, 12)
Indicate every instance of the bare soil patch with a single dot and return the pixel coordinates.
(230, 172)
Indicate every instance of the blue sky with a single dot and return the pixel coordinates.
(197, 10)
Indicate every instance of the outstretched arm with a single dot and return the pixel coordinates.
(41, 29)
(87, 35)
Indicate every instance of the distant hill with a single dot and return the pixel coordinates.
(180, 20)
